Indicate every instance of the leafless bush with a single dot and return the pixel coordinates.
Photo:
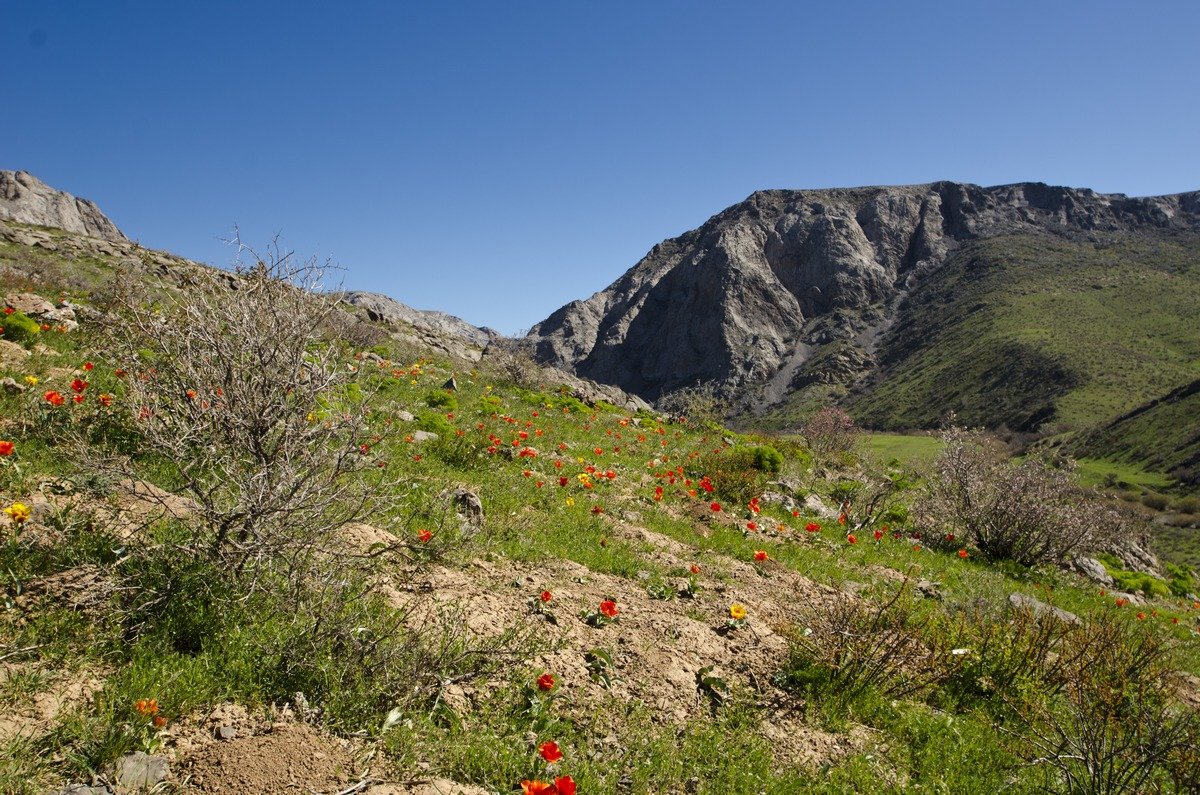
(512, 358)
(1117, 724)
(885, 646)
(1027, 511)
(698, 406)
(244, 409)
(831, 432)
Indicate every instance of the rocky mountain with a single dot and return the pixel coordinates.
(26, 199)
(796, 292)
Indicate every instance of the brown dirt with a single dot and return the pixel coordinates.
(264, 756)
(658, 646)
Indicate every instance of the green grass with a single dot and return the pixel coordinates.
(1122, 475)
(910, 450)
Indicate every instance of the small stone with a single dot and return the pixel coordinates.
(225, 732)
(928, 590)
(450, 385)
(82, 789)
(404, 416)
(1022, 602)
(10, 386)
(140, 771)
(424, 436)
(1093, 570)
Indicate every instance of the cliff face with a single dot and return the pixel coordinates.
(26, 199)
(753, 295)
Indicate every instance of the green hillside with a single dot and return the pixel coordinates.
(1043, 335)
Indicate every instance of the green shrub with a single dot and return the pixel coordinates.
(1180, 581)
(441, 399)
(19, 327)
(435, 423)
(733, 473)
(768, 459)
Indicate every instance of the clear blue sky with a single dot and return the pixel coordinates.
(498, 159)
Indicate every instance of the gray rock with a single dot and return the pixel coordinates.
(404, 416)
(1093, 569)
(10, 386)
(1022, 602)
(814, 506)
(26, 199)
(469, 509)
(438, 329)
(928, 589)
(138, 771)
(82, 789)
(747, 299)
(424, 436)
(31, 304)
(782, 500)
(225, 732)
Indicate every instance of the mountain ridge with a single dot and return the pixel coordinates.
(767, 289)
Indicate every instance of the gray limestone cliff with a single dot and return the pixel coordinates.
(26, 199)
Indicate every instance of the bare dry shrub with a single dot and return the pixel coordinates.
(243, 408)
(1116, 725)
(512, 358)
(698, 406)
(831, 432)
(1027, 511)
(887, 646)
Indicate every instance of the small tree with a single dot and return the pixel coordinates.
(245, 410)
(1027, 511)
(831, 432)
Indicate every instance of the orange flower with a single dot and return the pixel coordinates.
(694, 569)
(852, 539)
(6, 448)
(878, 535)
(760, 554)
(962, 553)
(545, 682)
(1141, 616)
(77, 398)
(424, 535)
(658, 493)
(812, 527)
(841, 518)
(54, 399)
(87, 366)
(716, 506)
(546, 596)
(564, 785)
(596, 509)
(146, 706)
(609, 608)
(550, 751)
(78, 385)
(751, 526)
(191, 393)
(159, 721)
(106, 399)
(537, 787)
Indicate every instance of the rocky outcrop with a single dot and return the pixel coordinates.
(26, 199)
(438, 329)
(749, 298)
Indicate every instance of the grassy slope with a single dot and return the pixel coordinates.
(1027, 330)
(911, 745)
